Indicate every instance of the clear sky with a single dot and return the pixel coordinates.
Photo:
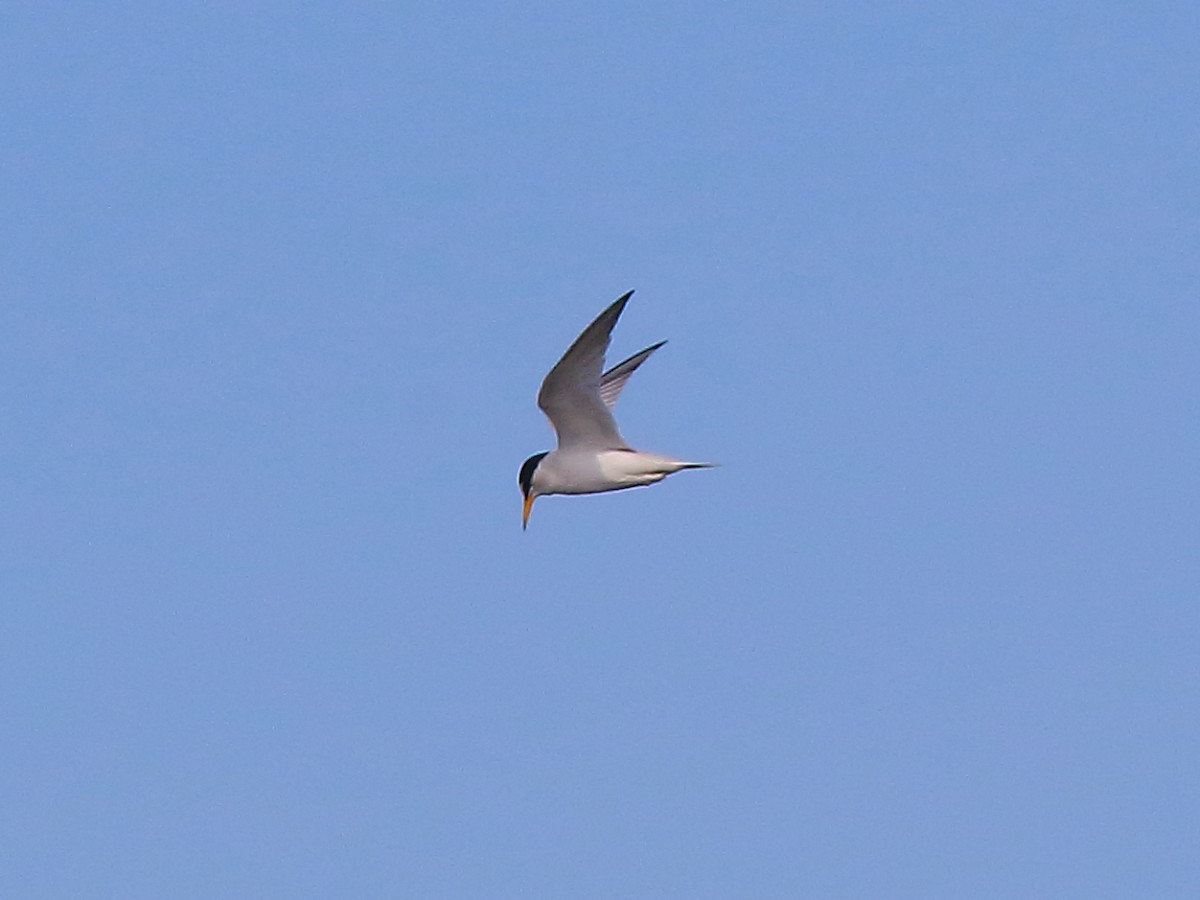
(278, 284)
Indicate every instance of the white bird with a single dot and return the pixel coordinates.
(592, 457)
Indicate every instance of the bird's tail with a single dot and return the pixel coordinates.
(670, 465)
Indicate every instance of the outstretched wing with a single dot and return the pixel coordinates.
(570, 394)
(614, 379)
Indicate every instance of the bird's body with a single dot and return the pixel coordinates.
(592, 457)
(587, 472)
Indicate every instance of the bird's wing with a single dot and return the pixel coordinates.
(614, 379)
(570, 394)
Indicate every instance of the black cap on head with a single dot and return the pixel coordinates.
(525, 478)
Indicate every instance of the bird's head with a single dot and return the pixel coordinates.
(526, 478)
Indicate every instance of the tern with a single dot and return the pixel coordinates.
(577, 397)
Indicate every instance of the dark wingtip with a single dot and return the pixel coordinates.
(619, 303)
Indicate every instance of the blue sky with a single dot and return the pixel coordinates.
(279, 285)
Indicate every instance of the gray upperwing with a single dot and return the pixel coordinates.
(570, 393)
(614, 379)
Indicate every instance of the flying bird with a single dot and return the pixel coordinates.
(577, 397)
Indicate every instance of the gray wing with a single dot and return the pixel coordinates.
(570, 394)
(614, 379)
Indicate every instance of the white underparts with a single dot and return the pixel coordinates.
(592, 472)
